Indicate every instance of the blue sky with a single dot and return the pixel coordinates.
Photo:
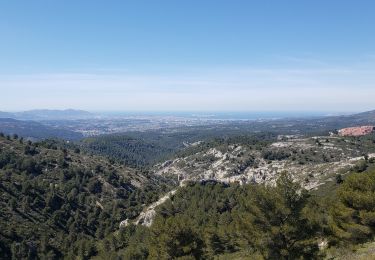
(188, 55)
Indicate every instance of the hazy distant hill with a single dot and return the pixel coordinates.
(35, 130)
(365, 116)
(47, 114)
(6, 115)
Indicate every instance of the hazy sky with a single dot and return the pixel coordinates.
(188, 55)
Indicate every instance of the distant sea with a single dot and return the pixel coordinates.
(253, 115)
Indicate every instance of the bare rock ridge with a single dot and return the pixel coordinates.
(312, 161)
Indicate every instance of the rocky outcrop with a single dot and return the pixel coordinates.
(147, 216)
(238, 163)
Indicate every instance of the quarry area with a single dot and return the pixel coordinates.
(356, 131)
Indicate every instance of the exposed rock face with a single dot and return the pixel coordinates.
(147, 216)
(356, 131)
(124, 223)
(326, 156)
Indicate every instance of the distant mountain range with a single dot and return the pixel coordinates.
(47, 114)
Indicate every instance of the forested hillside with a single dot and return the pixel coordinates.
(212, 220)
(135, 151)
(58, 202)
(144, 149)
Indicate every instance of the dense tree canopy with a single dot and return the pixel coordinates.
(55, 202)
